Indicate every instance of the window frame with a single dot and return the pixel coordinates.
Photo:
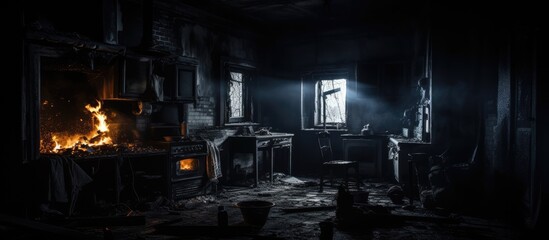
(318, 115)
(248, 74)
(308, 93)
(246, 78)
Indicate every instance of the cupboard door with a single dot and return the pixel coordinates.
(137, 71)
(186, 80)
(181, 81)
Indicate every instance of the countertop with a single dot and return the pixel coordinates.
(401, 140)
(374, 136)
(267, 136)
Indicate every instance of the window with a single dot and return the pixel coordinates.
(325, 95)
(236, 95)
(237, 98)
(330, 108)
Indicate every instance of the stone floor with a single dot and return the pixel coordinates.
(196, 218)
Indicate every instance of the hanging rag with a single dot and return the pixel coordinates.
(213, 162)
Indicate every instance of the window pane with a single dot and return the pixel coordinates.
(236, 76)
(236, 106)
(335, 101)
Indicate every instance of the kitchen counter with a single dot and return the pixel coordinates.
(267, 136)
(398, 140)
(399, 148)
(360, 136)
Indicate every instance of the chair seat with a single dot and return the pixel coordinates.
(338, 162)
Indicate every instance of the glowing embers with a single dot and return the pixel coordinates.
(74, 141)
(187, 165)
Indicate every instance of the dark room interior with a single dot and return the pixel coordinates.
(276, 119)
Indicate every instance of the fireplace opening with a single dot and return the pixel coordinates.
(62, 108)
(72, 115)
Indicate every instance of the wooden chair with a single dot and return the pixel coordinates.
(329, 165)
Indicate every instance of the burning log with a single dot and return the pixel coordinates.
(73, 142)
(100, 135)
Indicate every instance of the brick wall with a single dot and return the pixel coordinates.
(202, 115)
(183, 31)
(164, 30)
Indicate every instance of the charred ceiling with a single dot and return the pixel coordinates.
(286, 15)
(282, 16)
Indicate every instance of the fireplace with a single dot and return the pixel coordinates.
(73, 110)
(66, 112)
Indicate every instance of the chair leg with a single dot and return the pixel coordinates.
(321, 180)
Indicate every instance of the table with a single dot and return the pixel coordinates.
(255, 144)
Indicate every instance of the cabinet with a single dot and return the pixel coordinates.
(136, 72)
(181, 82)
(399, 148)
(171, 81)
(368, 151)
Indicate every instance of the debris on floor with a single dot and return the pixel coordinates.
(300, 211)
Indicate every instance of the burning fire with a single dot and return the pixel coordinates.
(102, 126)
(98, 136)
(186, 164)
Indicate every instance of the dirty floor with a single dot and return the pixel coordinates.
(196, 218)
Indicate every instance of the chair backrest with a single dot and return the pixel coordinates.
(325, 146)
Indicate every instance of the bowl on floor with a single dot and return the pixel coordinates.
(255, 212)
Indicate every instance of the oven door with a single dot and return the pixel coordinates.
(187, 166)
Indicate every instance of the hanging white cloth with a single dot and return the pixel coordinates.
(213, 162)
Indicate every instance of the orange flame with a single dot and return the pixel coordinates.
(102, 126)
(96, 137)
(186, 164)
(57, 145)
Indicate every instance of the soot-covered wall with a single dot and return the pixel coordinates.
(351, 48)
(486, 72)
(154, 28)
(163, 28)
(179, 29)
(354, 49)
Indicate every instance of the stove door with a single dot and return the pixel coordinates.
(187, 175)
(187, 166)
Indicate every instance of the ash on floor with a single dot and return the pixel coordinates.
(298, 210)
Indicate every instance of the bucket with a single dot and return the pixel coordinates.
(255, 212)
